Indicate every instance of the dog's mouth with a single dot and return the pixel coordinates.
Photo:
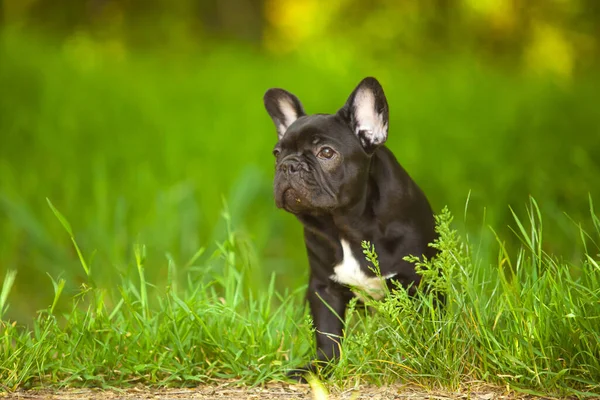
(291, 196)
(301, 194)
(291, 200)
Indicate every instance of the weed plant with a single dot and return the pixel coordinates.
(530, 322)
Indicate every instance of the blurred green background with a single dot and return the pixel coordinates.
(140, 119)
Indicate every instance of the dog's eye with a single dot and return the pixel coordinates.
(276, 152)
(326, 152)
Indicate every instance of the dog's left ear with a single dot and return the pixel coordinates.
(366, 111)
(284, 108)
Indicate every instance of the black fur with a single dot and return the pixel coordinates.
(361, 193)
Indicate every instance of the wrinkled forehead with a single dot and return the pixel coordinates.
(314, 128)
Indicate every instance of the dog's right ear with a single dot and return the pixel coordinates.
(366, 111)
(284, 108)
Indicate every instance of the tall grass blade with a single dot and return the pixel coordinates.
(140, 259)
(58, 288)
(67, 227)
(9, 280)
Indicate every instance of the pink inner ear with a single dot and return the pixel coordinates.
(288, 110)
(369, 121)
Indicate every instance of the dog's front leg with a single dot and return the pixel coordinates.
(327, 305)
(327, 301)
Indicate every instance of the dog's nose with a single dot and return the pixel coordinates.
(291, 166)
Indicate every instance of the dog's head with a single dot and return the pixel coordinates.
(323, 159)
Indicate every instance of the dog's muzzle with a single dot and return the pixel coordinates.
(291, 165)
(291, 191)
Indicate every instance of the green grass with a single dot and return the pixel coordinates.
(145, 148)
(140, 153)
(211, 328)
(529, 322)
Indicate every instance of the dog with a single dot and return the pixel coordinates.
(334, 173)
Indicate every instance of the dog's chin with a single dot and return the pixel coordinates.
(292, 201)
(297, 202)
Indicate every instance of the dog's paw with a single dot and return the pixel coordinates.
(316, 368)
(298, 375)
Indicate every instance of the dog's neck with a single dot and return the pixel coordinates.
(339, 223)
(357, 214)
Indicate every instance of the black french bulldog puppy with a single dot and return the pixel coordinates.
(335, 175)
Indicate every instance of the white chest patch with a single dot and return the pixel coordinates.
(348, 272)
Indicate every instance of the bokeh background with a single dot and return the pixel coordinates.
(140, 120)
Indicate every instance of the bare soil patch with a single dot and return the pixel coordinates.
(274, 391)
